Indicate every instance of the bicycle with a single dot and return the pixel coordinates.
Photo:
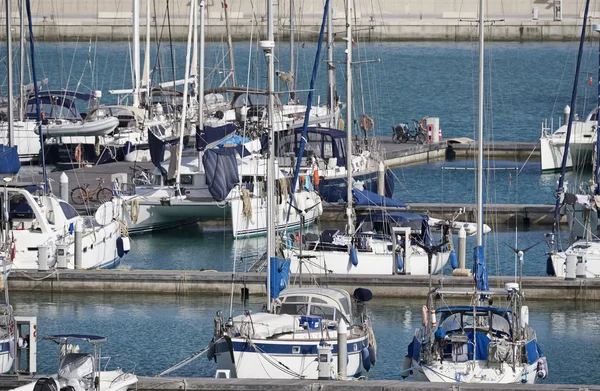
(83, 193)
(141, 176)
(402, 134)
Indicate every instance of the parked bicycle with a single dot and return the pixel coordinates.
(403, 134)
(83, 193)
(141, 176)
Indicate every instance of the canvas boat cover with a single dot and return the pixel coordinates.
(220, 166)
(368, 198)
(265, 325)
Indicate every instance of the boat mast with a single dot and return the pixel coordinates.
(229, 43)
(146, 72)
(200, 71)
(596, 28)
(185, 96)
(22, 62)
(480, 132)
(136, 53)
(292, 39)
(9, 66)
(331, 69)
(349, 210)
(268, 46)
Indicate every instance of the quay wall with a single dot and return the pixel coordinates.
(219, 283)
(511, 20)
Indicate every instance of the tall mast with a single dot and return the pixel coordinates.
(480, 134)
(10, 113)
(200, 71)
(22, 96)
(146, 72)
(349, 210)
(292, 27)
(267, 47)
(136, 53)
(330, 68)
(229, 43)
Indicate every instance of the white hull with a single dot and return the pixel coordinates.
(377, 261)
(100, 127)
(6, 356)
(250, 364)
(109, 381)
(588, 260)
(27, 142)
(478, 372)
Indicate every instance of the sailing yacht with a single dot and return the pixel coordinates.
(476, 342)
(296, 336)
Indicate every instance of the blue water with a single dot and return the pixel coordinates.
(156, 332)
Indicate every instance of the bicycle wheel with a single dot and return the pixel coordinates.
(396, 138)
(421, 138)
(104, 195)
(404, 138)
(79, 195)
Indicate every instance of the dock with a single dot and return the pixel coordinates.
(197, 282)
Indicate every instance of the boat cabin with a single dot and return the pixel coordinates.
(326, 303)
(327, 145)
(57, 105)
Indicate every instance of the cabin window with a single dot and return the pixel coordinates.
(296, 299)
(323, 311)
(451, 323)
(317, 300)
(157, 180)
(68, 210)
(327, 146)
(293, 309)
(187, 180)
(500, 323)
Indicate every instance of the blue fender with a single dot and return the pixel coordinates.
(365, 359)
(372, 354)
(399, 261)
(353, 256)
(453, 260)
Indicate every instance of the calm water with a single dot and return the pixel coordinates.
(156, 332)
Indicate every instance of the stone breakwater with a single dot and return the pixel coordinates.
(391, 20)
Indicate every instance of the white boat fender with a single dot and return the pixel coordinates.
(405, 368)
(372, 354)
(365, 359)
(353, 256)
(424, 316)
(542, 368)
(123, 246)
(524, 316)
(433, 320)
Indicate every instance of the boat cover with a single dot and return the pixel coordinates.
(480, 274)
(213, 135)
(220, 166)
(280, 275)
(157, 151)
(263, 325)
(76, 365)
(9, 160)
(368, 198)
(417, 222)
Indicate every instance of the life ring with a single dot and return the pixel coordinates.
(78, 153)
(366, 123)
(422, 123)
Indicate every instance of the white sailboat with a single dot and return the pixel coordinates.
(477, 342)
(296, 336)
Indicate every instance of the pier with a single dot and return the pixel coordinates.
(193, 282)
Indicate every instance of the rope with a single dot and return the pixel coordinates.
(372, 339)
(246, 203)
(134, 212)
(187, 360)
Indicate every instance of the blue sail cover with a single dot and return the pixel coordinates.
(157, 151)
(415, 221)
(279, 275)
(220, 166)
(480, 274)
(210, 135)
(9, 160)
(368, 198)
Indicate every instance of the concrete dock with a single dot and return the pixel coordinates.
(190, 282)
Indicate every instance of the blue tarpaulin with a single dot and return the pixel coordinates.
(368, 198)
(280, 275)
(234, 139)
(480, 274)
(210, 135)
(9, 160)
(221, 170)
(482, 343)
(157, 151)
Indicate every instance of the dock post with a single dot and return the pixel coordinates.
(381, 179)
(342, 341)
(43, 258)
(78, 245)
(571, 267)
(61, 256)
(64, 187)
(462, 255)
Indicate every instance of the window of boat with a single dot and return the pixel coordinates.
(293, 309)
(500, 323)
(341, 147)
(68, 210)
(451, 322)
(482, 320)
(345, 304)
(157, 180)
(317, 300)
(325, 312)
(19, 208)
(187, 180)
(313, 144)
(296, 299)
(327, 146)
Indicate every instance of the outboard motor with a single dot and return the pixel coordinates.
(46, 384)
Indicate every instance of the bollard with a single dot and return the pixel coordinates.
(580, 271)
(324, 352)
(571, 265)
(462, 254)
(64, 187)
(78, 245)
(43, 258)
(61, 256)
(381, 179)
(342, 341)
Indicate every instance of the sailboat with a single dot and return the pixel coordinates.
(296, 336)
(478, 342)
(368, 246)
(582, 258)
